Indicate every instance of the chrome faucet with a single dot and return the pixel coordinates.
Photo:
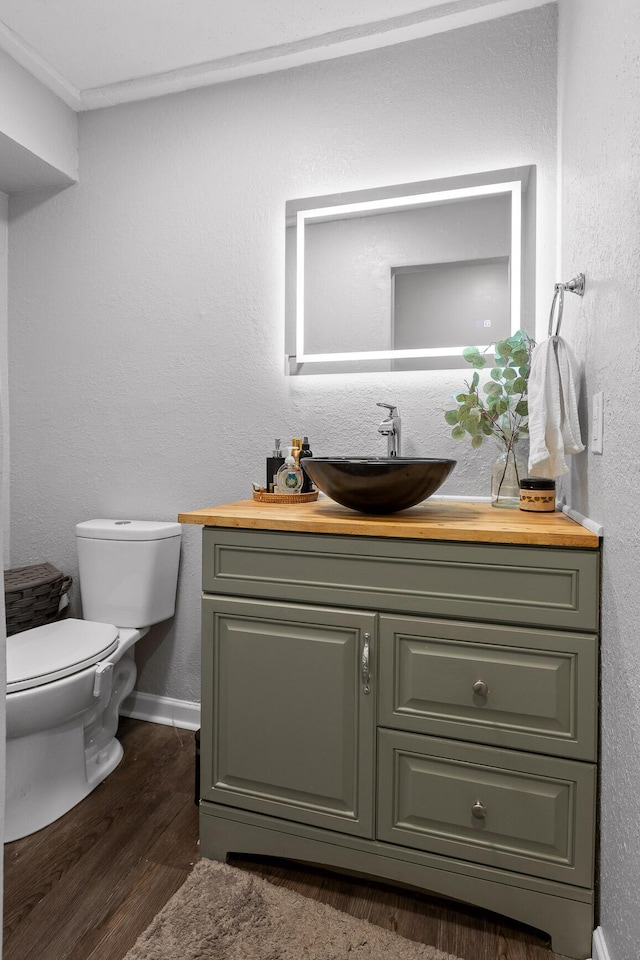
(390, 428)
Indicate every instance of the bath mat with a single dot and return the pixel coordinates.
(223, 913)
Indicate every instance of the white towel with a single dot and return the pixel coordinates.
(554, 429)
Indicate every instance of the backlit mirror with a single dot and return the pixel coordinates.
(405, 277)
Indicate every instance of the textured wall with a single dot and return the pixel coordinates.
(600, 144)
(146, 303)
(4, 490)
(4, 379)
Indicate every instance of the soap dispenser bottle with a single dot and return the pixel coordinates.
(305, 451)
(289, 478)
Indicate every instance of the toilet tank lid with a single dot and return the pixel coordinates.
(127, 529)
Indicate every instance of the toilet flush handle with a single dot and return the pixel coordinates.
(102, 679)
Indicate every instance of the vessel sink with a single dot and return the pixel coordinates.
(377, 484)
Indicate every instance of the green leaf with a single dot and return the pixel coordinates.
(458, 432)
(520, 357)
(493, 389)
(524, 371)
(452, 417)
(469, 352)
(487, 428)
(501, 406)
(478, 362)
(522, 408)
(519, 385)
(509, 373)
(476, 441)
(503, 348)
(496, 373)
(475, 380)
(461, 397)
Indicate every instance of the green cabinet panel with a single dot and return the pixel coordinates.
(498, 807)
(287, 727)
(514, 687)
(488, 582)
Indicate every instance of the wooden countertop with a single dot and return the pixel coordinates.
(473, 521)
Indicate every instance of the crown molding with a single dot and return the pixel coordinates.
(448, 15)
(29, 58)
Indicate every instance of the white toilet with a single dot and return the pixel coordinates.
(66, 681)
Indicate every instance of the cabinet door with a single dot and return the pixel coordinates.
(287, 719)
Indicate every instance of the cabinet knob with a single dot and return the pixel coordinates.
(480, 688)
(479, 810)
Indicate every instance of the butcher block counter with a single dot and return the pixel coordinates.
(470, 521)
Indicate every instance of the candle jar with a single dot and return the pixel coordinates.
(538, 494)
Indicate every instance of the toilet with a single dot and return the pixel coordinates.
(66, 681)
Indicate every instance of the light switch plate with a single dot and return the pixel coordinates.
(597, 422)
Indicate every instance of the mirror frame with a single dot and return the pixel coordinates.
(305, 212)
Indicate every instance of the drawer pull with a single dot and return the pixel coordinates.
(479, 810)
(480, 688)
(366, 675)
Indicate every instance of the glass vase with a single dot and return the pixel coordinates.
(506, 474)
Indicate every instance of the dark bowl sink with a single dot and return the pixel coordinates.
(377, 484)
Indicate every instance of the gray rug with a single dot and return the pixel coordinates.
(222, 913)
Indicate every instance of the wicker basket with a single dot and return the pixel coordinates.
(263, 497)
(32, 596)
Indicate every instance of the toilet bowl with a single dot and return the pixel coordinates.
(66, 681)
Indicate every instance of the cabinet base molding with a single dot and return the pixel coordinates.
(566, 913)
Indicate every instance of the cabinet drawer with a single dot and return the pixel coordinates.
(520, 812)
(511, 687)
(486, 582)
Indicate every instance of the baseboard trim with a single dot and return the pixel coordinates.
(166, 710)
(600, 949)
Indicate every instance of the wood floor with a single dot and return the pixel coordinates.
(88, 885)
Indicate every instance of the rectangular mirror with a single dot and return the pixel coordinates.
(405, 277)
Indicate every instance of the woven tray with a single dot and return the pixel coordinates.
(285, 497)
(32, 596)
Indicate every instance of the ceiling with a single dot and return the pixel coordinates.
(94, 53)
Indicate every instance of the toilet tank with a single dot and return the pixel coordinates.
(128, 570)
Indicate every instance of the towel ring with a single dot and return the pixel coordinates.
(573, 286)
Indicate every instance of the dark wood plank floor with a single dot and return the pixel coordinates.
(88, 885)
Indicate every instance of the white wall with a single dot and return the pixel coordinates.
(147, 302)
(38, 132)
(4, 379)
(4, 500)
(600, 148)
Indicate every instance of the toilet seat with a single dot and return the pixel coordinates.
(56, 650)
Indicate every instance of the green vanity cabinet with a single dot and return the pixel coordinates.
(419, 711)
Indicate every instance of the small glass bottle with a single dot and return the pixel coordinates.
(538, 494)
(289, 478)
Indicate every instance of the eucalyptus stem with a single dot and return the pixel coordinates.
(501, 410)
